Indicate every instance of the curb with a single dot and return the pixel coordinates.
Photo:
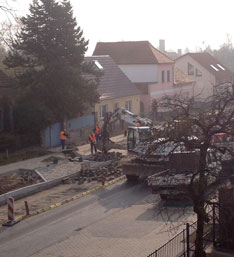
(53, 206)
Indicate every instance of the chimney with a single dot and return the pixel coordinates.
(179, 52)
(162, 45)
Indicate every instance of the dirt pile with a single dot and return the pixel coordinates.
(17, 180)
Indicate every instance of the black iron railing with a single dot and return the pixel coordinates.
(183, 244)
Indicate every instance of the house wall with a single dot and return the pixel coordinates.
(141, 73)
(163, 88)
(204, 84)
(121, 101)
(146, 101)
(157, 91)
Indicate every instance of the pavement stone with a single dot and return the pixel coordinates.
(120, 234)
(62, 169)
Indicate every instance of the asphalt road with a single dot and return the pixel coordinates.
(121, 220)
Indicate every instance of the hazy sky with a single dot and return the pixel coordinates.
(182, 23)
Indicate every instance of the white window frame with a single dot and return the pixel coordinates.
(128, 105)
(102, 111)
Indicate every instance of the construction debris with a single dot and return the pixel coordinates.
(109, 172)
(18, 180)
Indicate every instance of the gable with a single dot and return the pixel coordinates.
(212, 65)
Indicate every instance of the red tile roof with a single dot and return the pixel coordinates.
(132, 52)
(221, 73)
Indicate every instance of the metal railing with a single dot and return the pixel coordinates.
(183, 244)
(173, 247)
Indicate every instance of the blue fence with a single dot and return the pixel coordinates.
(81, 122)
(51, 134)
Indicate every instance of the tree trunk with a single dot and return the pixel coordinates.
(199, 203)
(199, 252)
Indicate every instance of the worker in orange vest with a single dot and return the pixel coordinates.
(92, 140)
(63, 137)
(97, 132)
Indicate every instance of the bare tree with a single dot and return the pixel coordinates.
(7, 9)
(196, 127)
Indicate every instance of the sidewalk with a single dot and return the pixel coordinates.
(37, 163)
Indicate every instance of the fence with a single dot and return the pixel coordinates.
(50, 136)
(183, 244)
(174, 246)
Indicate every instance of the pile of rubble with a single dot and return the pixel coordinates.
(99, 174)
(101, 157)
(18, 180)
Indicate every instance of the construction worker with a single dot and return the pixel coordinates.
(63, 137)
(97, 132)
(138, 124)
(92, 140)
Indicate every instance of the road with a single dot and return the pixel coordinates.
(122, 220)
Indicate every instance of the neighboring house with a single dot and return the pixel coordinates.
(115, 89)
(6, 101)
(207, 71)
(150, 70)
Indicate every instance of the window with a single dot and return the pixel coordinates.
(103, 111)
(98, 65)
(214, 68)
(128, 105)
(116, 106)
(220, 66)
(1, 119)
(198, 73)
(163, 78)
(168, 76)
(190, 69)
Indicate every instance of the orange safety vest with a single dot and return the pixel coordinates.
(92, 138)
(62, 135)
(97, 130)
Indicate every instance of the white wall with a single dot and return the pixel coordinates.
(140, 73)
(204, 84)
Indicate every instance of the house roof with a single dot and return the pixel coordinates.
(180, 78)
(114, 83)
(210, 63)
(132, 52)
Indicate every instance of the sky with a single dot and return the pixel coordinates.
(181, 23)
